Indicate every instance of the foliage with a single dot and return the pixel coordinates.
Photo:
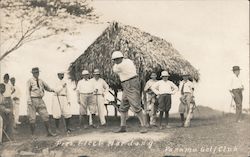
(24, 21)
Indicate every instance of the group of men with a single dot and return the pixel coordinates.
(9, 107)
(91, 96)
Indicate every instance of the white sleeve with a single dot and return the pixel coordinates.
(155, 88)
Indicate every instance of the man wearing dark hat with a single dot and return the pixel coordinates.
(186, 100)
(61, 103)
(35, 90)
(236, 88)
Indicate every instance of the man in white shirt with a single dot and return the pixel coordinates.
(131, 97)
(9, 118)
(16, 101)
(100, 90)
(186, 100)
(151, 101)
(236, 88)
(61, 103)
(85, 97)
(164, 89)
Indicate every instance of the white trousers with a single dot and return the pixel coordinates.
(16, 104)
(1, 129)
(62, 108)
(100, 101)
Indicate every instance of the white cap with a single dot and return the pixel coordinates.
(85, 72)
(164, 73)
(117, 54)
(96, 71)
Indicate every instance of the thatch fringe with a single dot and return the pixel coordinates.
(148, 52)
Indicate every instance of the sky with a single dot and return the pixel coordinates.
(212, 35)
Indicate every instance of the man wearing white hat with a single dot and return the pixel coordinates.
(100, 90)
(150, 104)
(85, 97)
(164, 89)
(61, 103)
(126, 70)
(235, 89)
(186, 100)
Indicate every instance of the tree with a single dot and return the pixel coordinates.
(23, 21)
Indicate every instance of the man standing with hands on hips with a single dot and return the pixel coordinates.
(131, 97)
(35, 93)
(236, 88)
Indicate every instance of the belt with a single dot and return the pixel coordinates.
(61, 95)
(86, 93)
(130, 79)
(36, 97)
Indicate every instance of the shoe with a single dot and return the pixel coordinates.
(103, 126)
(50, 134)
(18, 122)
(58, 131)
(168, 127)
(161, 127)
(143, 130)
(70, 129)
(121, 129)
(154, 126)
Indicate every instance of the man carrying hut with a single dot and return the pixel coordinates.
(186, 100)
(16, 101)
(4, 114)
(131, 97)
(61, 103)
(151, 101)
(100, 90)
(35, 93)
(235, 89)
(85, 97)
(8, 117)
(164, 89)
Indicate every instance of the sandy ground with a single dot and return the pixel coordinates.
(213, 135)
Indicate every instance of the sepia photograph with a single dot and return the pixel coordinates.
(124, 78)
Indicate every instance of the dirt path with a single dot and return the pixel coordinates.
(214, 136)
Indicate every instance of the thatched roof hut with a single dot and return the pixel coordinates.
(149, 53)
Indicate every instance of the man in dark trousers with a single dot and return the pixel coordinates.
(126, 70)
(35, 90)
(236, 88)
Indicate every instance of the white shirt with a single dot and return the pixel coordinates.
(85, 86)
(164, 87)
(149, 84)
(235, 83)
(16, 93)
(126, 69)
(8, 90)
(188, 86)
(61, 89)
(100, 86)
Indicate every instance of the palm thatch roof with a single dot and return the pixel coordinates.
(149, 53)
